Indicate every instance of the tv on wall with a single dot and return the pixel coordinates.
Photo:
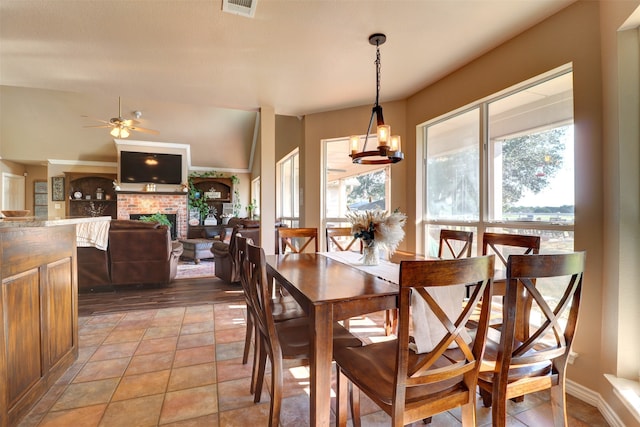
(150, 167)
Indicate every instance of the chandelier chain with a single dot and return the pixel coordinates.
(377, 74)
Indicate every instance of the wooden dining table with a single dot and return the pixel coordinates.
(328, 290)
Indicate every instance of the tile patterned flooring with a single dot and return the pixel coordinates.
(181, 366)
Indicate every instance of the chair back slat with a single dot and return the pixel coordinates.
(296, 240)
(455, 244)
(341, 239)
(501, 244)
(441, 363)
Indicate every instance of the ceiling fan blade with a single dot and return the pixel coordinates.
(139, 129)
(95, 119)
(98, 126)
(129, 122)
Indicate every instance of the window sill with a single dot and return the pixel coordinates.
(628, 392)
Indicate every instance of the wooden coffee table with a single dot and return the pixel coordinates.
(196, 249)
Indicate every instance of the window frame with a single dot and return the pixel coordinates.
(484, 222)
(294, 183)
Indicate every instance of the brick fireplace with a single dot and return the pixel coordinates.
(148, 203)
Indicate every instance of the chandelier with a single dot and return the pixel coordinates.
(388, 150)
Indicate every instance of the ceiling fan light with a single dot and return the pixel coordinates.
(124, 132)
(115, 132)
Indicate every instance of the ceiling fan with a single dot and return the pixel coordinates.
(121, 128)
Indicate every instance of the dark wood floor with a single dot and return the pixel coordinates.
(180, 293)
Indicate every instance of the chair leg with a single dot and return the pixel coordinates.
(486, 398)
(390, 322)
(499, 413)
(342, 385)
(276, 390)
(469, 414)
(558, 405)
(354, 394)
(262, 361)
(256, 354)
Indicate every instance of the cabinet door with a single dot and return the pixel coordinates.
(59, 310)
(21, 308)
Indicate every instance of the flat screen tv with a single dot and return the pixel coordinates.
(150, 167)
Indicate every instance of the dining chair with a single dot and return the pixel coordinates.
(539, 361)
(341, 239)
(503, 245)
(455, 244)
(288, 339)
(296, 240)
(411, 386)
(282, 307)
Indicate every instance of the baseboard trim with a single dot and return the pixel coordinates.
(594, 399)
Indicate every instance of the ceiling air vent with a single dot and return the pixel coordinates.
(240, 7)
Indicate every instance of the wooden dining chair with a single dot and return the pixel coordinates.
(296, 240)
(288, 339)
(455, 244)
(410, 386)
(503, 245)
(341, 239)
(282, 307)
(539, 361)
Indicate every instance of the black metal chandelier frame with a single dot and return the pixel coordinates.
(384, 154)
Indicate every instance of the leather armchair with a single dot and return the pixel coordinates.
(224, 251)
(138, 253)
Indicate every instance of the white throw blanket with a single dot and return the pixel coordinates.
(93, 234)
(427, 329)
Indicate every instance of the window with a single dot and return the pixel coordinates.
(504, 165)
(255, 196)
(351, 187)
(288, 194)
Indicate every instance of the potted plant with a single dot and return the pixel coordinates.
(156, 217)
(197, 201)
(251, 207)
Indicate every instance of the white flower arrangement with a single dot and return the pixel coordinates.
(378, 228)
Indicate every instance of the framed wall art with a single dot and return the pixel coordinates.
(57, 188)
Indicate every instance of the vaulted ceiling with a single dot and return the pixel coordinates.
(199, 75)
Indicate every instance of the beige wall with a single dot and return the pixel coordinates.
(584, 36)
(289, 135)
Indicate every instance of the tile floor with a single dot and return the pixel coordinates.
(182, 367)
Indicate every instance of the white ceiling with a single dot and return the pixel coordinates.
(297, 56)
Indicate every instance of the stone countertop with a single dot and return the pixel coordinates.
(31, 221)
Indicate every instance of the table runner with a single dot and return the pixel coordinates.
(427, 329)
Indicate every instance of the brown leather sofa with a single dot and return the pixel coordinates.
(138, 253)
(223, 251)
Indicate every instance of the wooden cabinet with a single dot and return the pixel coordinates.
(38, 314)
(91, 194)
(216, 191)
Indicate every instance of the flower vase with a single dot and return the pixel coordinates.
(370, 255)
